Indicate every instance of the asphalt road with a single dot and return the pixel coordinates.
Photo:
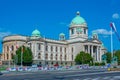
(62, 75)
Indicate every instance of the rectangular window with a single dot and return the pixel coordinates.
(84, 31)
(56, 49)
(46, 48)
(51, 48)
(65, 50)
(39, 47)
(60, 49)
(72, 31)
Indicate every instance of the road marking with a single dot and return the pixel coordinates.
(88, 74)
(117, 77)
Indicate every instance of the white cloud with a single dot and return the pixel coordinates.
(63, 23)
(102, 31)
(115, 16)
(2, 34)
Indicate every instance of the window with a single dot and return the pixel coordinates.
(12, 56)
(61, 57)
(65, 50)
(60, 49)
(46, 56)
(65, 57)
(72, 31)
(51, 56)
(7, 56)
(7, 48)
(46, 48)
(56, 49)
(51, 48)
(39, 55)
(39, 47)
(84, 31)
(56, 57)
(72, 56)
(12, 48)
(72, 49)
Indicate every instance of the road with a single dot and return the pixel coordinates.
(62, 75)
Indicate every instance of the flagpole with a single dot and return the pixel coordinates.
(9, 57)
(21, 55)
(111, 44)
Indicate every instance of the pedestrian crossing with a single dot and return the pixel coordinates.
(101, 78)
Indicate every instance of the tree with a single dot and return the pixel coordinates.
(117, 54)
(108, 57)
(27, 55)
(83, 58)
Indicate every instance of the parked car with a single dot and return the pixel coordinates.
(1, 73)
(27, 69)
(12, 69)
(20, 69)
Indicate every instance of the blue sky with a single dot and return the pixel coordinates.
(52, 17)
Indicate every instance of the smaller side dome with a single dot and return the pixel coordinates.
(95, 35)
(36, 33)
(61, 36)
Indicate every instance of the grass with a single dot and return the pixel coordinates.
(2, 68)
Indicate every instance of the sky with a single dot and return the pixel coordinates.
(51, 17)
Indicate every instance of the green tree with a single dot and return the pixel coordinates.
(27, 55)
(108, 57)
(117, 54)
(83, 58)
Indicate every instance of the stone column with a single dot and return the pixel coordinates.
(97, 54)
(92, 50)
(89, 49)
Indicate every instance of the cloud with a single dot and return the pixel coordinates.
(64, 24)
(102, 31)
(3, 34)
(115, 16)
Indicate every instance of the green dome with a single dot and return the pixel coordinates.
(36, 33)
(62, 34)
(78, 19)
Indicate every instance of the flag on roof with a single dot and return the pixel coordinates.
(112, 25)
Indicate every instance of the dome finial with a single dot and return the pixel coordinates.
(78, 13)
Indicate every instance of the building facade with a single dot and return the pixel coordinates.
(50, 52)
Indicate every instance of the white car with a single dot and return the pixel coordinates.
(20, 69)
(12, 69)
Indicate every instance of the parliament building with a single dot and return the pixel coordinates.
(51, 52)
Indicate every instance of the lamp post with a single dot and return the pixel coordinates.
(21, 55)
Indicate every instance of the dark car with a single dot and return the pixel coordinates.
(1, 73)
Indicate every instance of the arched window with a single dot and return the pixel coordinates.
(39, 55)
(12, 48)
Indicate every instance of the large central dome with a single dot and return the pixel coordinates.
(78, 19)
